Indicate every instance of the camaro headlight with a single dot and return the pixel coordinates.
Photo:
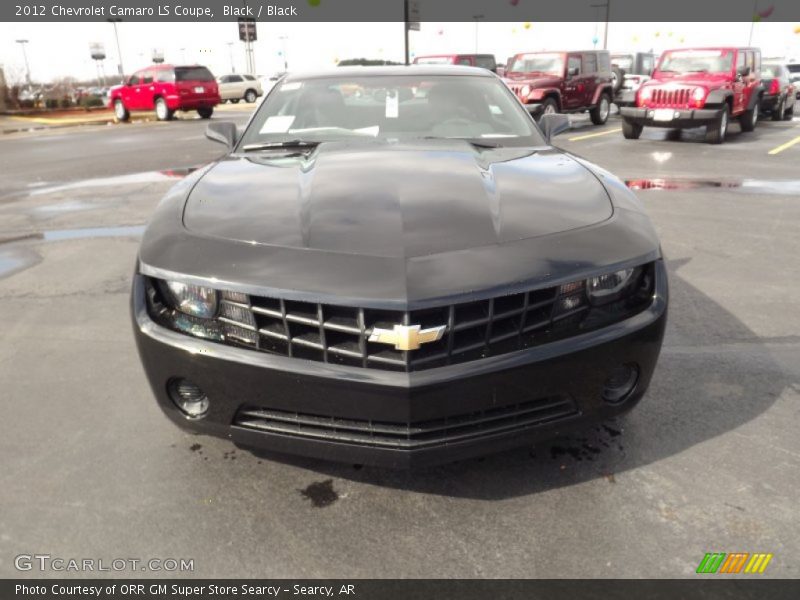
(526, 90)
(193, 300)
(608, 287)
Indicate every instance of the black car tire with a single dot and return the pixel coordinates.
(234, 100)
(250, 96)
(549, 106)
(631, 131)
(715, 134)
(205, 113)
(789, 113)
(779, 114)
(120, 111)
(749, 118)
(163, 112)
(599, 114)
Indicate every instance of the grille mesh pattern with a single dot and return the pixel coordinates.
(409, 436)
(338, 334)
(671, 98)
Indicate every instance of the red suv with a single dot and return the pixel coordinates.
(550, 82)
(699, 87)
(165, 89)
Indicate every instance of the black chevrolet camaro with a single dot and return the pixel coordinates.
(394, 266)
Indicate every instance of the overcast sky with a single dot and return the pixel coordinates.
(61, 49)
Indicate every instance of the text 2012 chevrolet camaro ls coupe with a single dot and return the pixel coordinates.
(393, 266)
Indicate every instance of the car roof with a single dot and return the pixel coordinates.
(389, 71)
(563, 52)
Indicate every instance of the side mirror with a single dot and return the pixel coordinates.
(572, 72)
(223, 132)
(553, 124)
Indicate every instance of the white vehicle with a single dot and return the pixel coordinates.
(234, 87)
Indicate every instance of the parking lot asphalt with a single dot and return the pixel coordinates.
(708, 462)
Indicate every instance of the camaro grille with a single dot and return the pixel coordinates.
(671, 98)
(345, 335)
(409, 436)
(339, 334)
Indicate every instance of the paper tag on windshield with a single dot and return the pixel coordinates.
(392, 105)
(278, 124)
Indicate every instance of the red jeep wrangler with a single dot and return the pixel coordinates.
(699, 87)
(550, 82)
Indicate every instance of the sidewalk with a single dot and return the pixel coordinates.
(57, 119)
(15, 123)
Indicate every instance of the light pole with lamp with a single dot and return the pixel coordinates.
(120, 68)
(27, 66)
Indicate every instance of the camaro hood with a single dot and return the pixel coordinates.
(372, 198)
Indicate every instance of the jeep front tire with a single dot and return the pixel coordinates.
(631, 131)
(715, 133)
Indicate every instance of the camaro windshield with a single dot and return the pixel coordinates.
(697, 61)
(398, 107)
(552, 64)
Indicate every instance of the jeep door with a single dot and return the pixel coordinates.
(739, 82)
(573, 86)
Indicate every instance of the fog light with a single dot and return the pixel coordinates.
(188, 397)
(621, 383)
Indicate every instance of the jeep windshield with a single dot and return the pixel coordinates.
(481, 110)
(545, 64)
(697, 61)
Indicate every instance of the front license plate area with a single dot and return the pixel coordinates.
(663, 114)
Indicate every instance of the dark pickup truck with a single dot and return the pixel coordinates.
(567, 82)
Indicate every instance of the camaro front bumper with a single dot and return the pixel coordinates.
(681, 118)
(397, 419)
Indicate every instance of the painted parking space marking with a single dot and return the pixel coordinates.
(785, 146)
(593, 135)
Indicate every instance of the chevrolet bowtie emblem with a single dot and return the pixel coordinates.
(407, 337)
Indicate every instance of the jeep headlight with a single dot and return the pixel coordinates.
(193, 300)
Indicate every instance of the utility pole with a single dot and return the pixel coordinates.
(405, 29)
(120, 68)
(27, 66)
(230, 54)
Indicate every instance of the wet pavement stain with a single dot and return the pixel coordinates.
(581, 448)
(195, 447)
(321, 493)
(14, 260)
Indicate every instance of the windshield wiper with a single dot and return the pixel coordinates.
(478, 143)
(284, 144)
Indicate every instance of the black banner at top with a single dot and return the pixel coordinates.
(712, 11)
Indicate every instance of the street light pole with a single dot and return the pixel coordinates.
(477, 19)
(283, 39)
(607, 6)
(27, 66)
(230, 54)
(120, 68)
